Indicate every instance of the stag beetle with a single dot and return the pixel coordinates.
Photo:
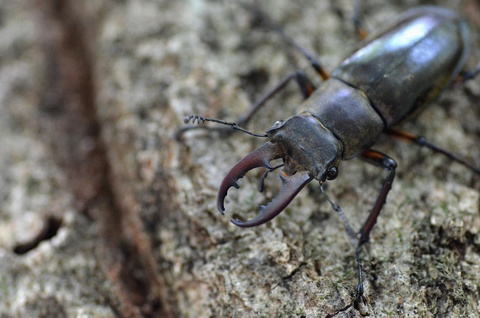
(391, 77)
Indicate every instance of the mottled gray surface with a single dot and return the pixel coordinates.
(62, 276)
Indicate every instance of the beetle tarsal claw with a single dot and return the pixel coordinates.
(291, 185)
(260, 157)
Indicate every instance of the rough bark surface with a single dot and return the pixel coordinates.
(103, 213)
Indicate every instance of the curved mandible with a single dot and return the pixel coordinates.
(291, 185)
(259, 157)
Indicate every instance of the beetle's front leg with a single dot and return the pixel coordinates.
(380, 160)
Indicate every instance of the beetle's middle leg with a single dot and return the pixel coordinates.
(380, 160)
(305, 85)
(468, 74)
(360, 30)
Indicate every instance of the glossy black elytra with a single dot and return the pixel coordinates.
(392, 76)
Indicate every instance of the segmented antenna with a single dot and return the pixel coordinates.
(201, 120)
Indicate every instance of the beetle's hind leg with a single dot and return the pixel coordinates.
(422, 142)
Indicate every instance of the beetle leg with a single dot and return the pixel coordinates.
(261, 184)
(273, 26)
(351, 233)
(324, 74)
(291, 185)
(422, 142)
(381, 160)
(304, 83)
(360, 30)
(468, 75)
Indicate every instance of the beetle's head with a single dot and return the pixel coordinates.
(309, 151)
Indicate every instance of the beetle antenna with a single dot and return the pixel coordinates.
(351, 233)
(201, 120)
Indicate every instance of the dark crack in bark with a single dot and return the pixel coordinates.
(67, 113)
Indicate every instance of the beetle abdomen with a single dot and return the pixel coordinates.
(407, 65)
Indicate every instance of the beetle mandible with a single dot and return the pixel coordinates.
(391, 77)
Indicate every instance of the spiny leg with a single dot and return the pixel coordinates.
(275, 27)
(419, 140)
(304, 83)
(350, 232)
(313, 62)
(380, 160)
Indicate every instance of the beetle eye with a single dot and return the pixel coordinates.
(332, 173)
(277, 124)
